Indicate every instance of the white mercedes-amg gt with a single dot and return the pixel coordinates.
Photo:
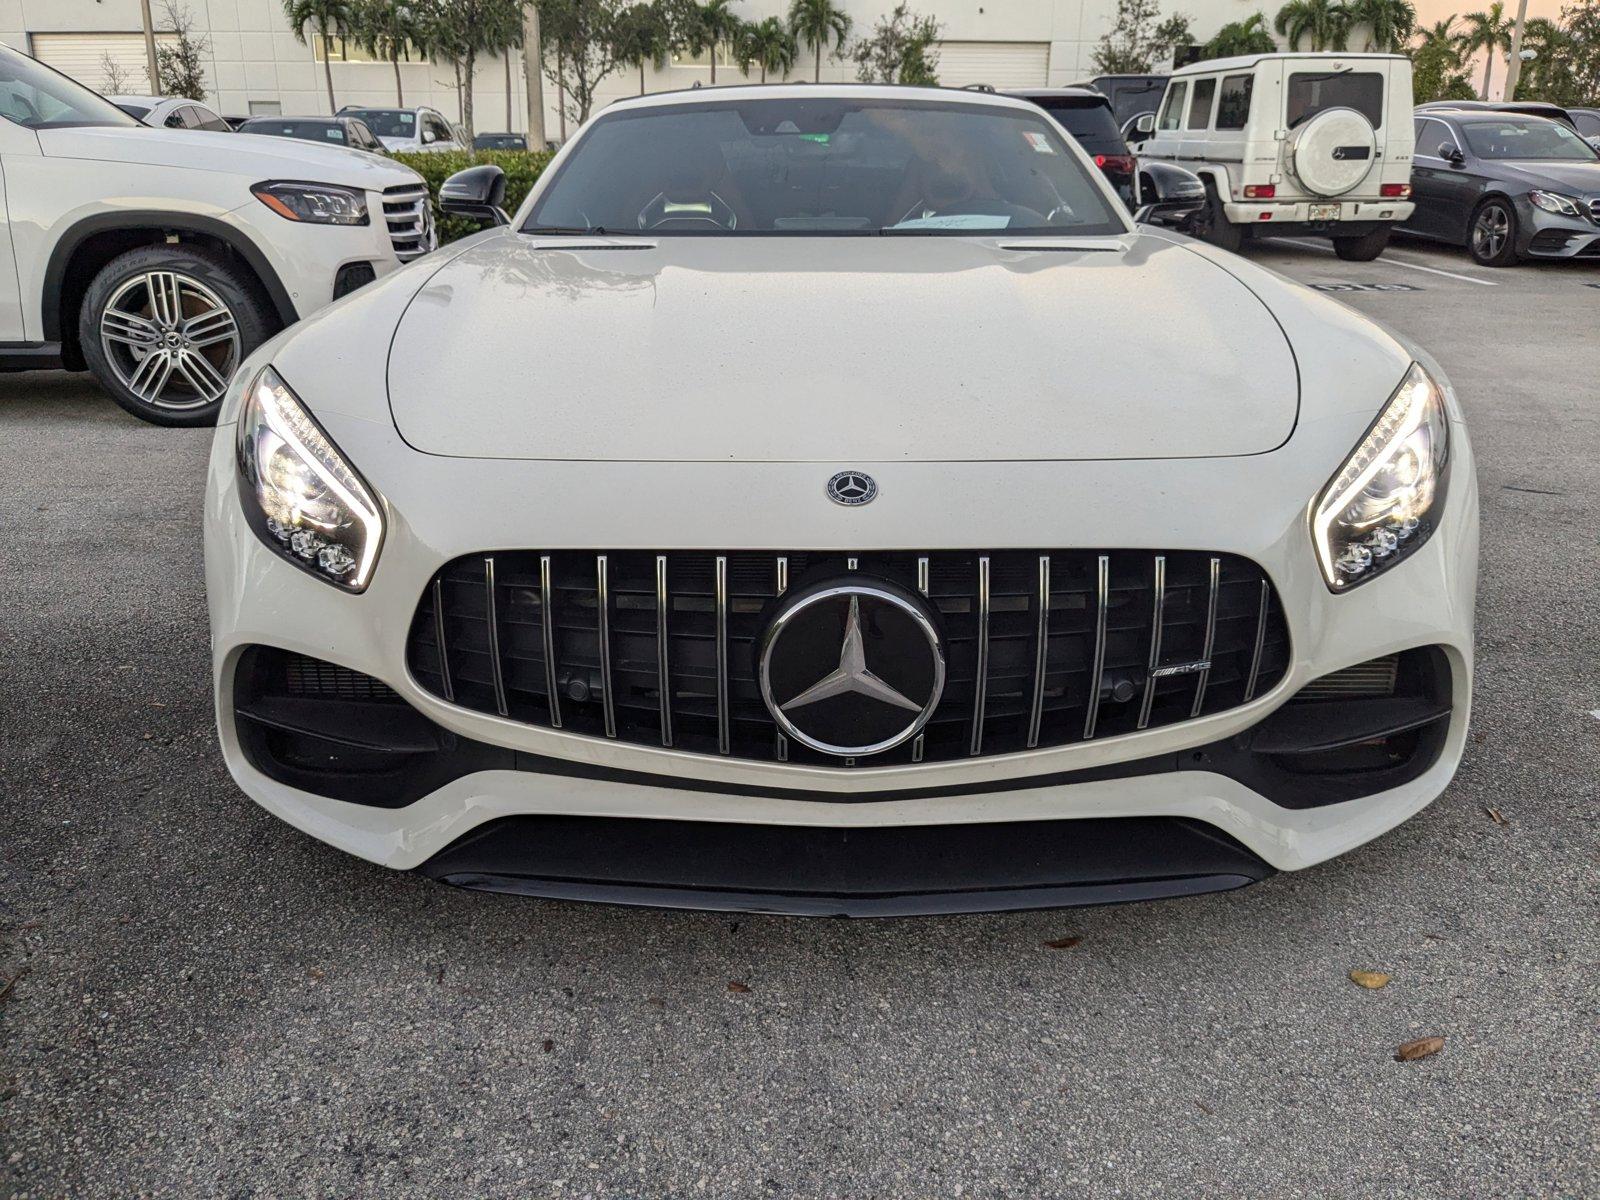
(825, 499)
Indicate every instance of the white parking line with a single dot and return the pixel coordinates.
(1389, 257)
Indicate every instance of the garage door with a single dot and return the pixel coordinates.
(1000, 64)
(83, 56)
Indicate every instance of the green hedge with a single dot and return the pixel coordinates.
(522, 168)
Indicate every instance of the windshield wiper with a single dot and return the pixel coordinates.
(575, 230)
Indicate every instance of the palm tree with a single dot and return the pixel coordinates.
(1238, 38)
(330, 18)
(816, 22)
(717, 25)
(1545, 74)
(387, 29)
(1326, 21)
(1440, 35)
(1390, 23)
(1490, 32)
(770, 46)
(641, 35)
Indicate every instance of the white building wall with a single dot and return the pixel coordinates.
(254, 56)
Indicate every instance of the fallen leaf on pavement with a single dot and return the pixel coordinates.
(1066, 943)
(1494, 815)
(1421, 1048)
(735, 986)
(1371, 980)
(549, 1045)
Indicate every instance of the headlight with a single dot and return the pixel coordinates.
(1555, 202)
(1385, 500)
(314, 203)
(299, 494)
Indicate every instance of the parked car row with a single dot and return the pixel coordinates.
(1507, 180)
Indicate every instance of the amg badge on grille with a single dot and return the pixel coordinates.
(852, 668)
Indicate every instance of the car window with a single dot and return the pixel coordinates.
(137, 111)
(439, 127)
(209, 120)
(1200, 106)
(1535, 139)
(305, 131)
(1088, 121)
(1130, 97)
(1310, 94)
(830, 166)
(387, 122)
(1233, 101)
(1432, 134)
(1588, 124)
(1172, 110)
(34, 96)
(175, 118)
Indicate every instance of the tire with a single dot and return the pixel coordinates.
(1211, 224)
(1364, 248)
(163, 327)
(1492, 233)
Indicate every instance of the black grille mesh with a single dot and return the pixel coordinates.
(493, 660)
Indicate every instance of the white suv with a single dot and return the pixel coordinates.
(1293, 144)
(159, 258)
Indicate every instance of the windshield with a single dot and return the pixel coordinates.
(1527, 139)
(386, 122)
(824, 166)
(306, 131)
(33, 95)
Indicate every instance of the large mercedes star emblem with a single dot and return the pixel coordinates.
(852, 669)
(851, 488)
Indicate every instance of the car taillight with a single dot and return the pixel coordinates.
(1260, 191)
(1120, 163)
(1397, 190)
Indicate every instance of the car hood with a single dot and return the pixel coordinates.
(837, 350)
(232, 153)
(1580, 178)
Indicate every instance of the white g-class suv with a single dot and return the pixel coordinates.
(1293, 144)
(159, 258)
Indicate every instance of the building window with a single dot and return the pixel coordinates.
(266, 108)
(343, 50)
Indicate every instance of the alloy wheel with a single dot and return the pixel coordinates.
(170, 340)
(1490, 231)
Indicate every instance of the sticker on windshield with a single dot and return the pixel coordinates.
(1040, 143)
(955, 221)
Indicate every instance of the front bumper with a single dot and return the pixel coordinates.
(258, 599)
(1544, 234)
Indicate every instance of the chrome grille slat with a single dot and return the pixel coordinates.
(663, 663)
(1155, 640)
(406, 212)
(981, 683)
(1041, 653)
(1097, 678)
(662, 647)
(1215, 586)
(494, 636)
(603, 629)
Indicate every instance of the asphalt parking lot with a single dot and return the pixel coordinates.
(197, 1000)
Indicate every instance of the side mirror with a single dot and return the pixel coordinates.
(1145, 123)
(1451, 154)
(476, 194)
(429, 136)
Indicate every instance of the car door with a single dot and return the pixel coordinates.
(1456, 187)
(1430, 183)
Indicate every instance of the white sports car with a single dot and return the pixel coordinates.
(825, 499)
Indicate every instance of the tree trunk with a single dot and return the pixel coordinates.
(461, 107)
(327, 69)
(763, 72)
(1488, 66)
(561, 92)
(641, 77)
(532, 69)
(817, 78)
(508, 89)
(466, 111)
(399, 92)
(713, 62)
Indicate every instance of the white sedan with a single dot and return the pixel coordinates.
(828, 500)
(171, 112)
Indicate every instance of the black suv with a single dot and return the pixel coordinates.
(1087, 116)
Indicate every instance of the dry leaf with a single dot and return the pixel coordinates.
(549, 1045)
(656, 1002)
(1421, 1048)
(314, 972)
(735, 986)
(1494, 815)
(1066, 943)
(1371, 980)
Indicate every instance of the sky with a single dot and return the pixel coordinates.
(1429, 11)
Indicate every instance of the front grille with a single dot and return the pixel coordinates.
(580, 641)
(1594, 209)
(407, 210)
(312, 677)
(1373, 678)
